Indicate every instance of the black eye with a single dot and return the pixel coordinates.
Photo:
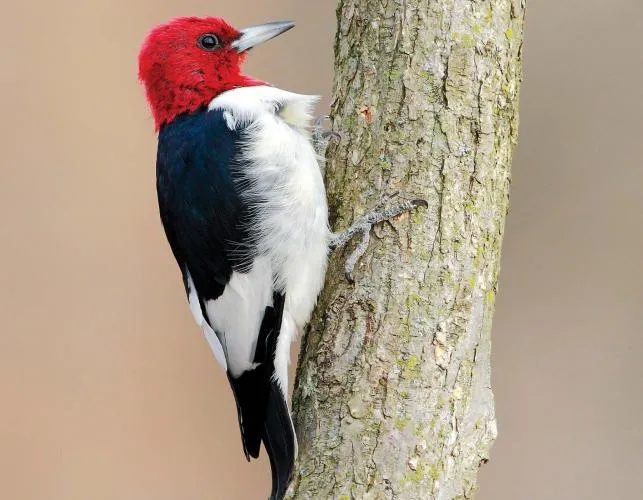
(208, 42)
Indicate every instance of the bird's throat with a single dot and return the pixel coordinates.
(168, 102)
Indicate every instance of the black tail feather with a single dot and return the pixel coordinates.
(251, 395)
(262, 407)
(279, 439)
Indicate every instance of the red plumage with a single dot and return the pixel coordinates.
(179, 76)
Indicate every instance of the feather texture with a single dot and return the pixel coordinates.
(243, 205)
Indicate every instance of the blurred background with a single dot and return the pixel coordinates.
(108, 389)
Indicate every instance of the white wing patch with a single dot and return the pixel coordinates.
(210, 336)
(237, 314)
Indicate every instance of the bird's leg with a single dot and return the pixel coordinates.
(364, 226)
(321, 138)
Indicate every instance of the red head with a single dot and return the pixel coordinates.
(187, 62)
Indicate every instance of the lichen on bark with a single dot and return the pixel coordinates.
(393, 394)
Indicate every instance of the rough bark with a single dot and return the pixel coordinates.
(393, 396)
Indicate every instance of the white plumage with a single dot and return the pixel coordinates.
(287, 192)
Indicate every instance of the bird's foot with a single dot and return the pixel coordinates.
(364, 226)
(321, 137)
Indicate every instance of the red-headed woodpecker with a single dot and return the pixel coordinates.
(243, 205)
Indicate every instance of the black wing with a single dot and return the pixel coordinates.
(203, 215)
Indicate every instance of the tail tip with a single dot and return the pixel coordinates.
(280, 441)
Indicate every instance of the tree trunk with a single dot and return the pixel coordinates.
(393, 395)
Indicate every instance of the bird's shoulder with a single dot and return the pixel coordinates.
(198, 137)
(195, 164)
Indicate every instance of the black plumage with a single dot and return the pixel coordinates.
(204, 218)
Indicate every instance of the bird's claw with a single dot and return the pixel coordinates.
(322, 137)
(331, 134)
(364, 226)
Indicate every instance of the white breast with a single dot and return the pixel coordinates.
(286, 187)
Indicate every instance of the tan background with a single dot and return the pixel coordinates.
(108, 390)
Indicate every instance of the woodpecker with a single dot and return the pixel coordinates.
(243, 205)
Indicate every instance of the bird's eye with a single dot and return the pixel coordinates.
(208, 42)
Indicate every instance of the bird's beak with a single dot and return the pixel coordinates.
(254, 35)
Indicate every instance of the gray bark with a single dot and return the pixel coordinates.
(393, 395)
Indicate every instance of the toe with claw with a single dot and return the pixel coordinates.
(322, 137)
(363, 227)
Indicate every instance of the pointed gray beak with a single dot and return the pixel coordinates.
(254, 35)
